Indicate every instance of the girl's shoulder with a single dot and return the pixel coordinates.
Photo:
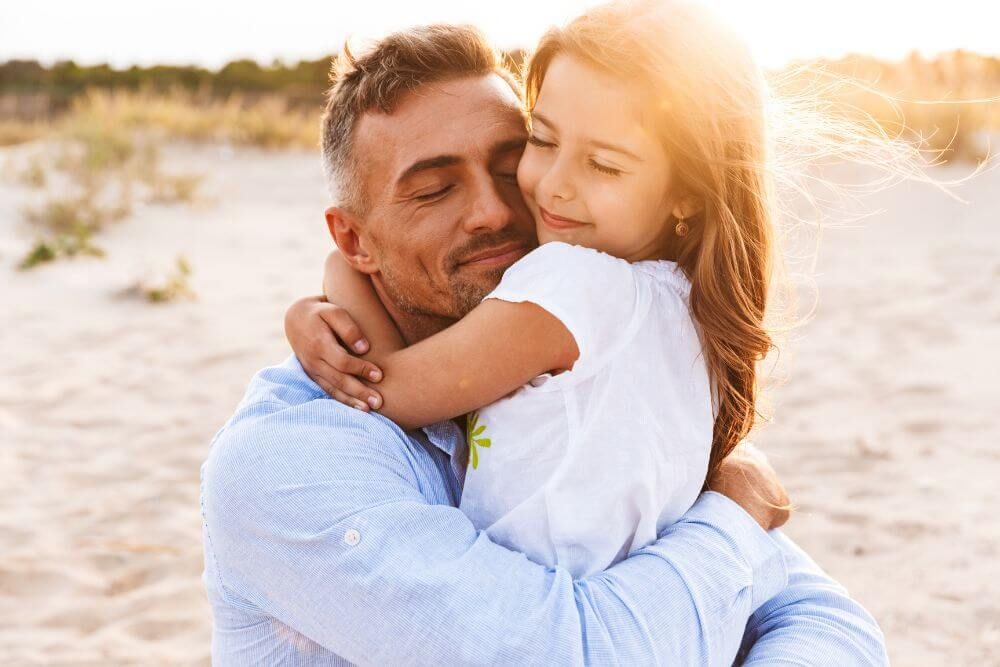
(558, 265)
(559, 253)
(666, 273)
(599, 274)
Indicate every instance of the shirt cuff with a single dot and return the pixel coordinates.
(762, 554)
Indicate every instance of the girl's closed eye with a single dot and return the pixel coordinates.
(604, 169)
(535, 140)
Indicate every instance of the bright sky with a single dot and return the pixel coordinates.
(212, 32)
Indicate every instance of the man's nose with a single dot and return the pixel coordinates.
(489, 212)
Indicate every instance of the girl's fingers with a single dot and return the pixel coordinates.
(345, 327)
(343, 361)
(324, 384)
(357, 394)
(341, 397)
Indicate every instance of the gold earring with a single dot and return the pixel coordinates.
(681, 228)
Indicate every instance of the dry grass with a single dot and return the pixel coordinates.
(100, 165)
(267, 122)
(68, 226)
(63, 215)
(33, 175)
(172, 287)
(77, 242)
(108, 148)
(13, 131)
(173, 188)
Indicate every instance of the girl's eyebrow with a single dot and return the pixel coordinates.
(616, 148)
(535, 116)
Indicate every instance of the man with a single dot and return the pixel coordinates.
(332, 536)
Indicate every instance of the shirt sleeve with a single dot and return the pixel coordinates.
(812, 621)
(593, 294)
(336, 540)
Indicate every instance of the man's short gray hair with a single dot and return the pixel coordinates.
(377, 79)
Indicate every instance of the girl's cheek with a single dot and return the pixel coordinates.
(528, 173)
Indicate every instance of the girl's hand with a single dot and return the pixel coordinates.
(318, 333)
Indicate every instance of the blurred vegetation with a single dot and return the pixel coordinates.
(267, 121)
(47, 91)
(174, 286)
(277, 105)
(171, 285)
(97, 164)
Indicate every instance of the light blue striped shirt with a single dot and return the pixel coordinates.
(332, 537)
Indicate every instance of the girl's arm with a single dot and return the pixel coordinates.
(489, 353)
(326, 337)
(353, 291)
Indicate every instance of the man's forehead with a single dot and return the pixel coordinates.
(453, 116)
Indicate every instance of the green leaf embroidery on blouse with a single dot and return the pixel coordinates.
(473, 431)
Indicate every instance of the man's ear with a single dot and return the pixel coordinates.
(345, 228)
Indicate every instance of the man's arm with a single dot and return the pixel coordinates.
(324, 527)
(813, 621)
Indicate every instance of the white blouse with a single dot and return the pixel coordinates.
(582, 468)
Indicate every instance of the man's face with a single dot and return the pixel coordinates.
(446, 217)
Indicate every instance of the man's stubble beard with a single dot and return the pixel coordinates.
(464, 292)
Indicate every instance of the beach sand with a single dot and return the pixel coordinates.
(885, 426)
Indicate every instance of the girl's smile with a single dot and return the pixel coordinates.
(558, 223)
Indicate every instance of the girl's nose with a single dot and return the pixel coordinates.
(557, 183)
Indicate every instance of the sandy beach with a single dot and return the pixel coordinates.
(885, 428)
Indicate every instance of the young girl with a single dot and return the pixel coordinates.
(644, 305)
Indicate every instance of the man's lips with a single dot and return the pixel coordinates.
(559, 223)
(502, 255)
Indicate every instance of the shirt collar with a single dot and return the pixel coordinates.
(450, 439)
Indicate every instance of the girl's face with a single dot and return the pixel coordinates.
(593, 174)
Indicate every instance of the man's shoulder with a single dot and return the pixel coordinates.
(286, 394)
(286, 426)
(285, 385)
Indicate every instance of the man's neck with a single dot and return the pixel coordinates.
(414, 327)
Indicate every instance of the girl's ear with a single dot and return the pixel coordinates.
(345, 229)
(688, 207)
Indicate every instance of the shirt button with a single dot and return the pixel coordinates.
(352, 537)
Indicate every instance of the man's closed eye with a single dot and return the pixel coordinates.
(436, 194)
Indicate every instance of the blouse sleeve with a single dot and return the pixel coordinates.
(593, 294)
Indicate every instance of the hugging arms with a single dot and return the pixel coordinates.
(333, 535)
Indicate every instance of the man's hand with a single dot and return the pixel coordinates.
(747, 478)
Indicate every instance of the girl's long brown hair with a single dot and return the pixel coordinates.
(707, 101)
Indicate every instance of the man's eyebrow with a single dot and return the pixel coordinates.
(435, 162)
(593, 142)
